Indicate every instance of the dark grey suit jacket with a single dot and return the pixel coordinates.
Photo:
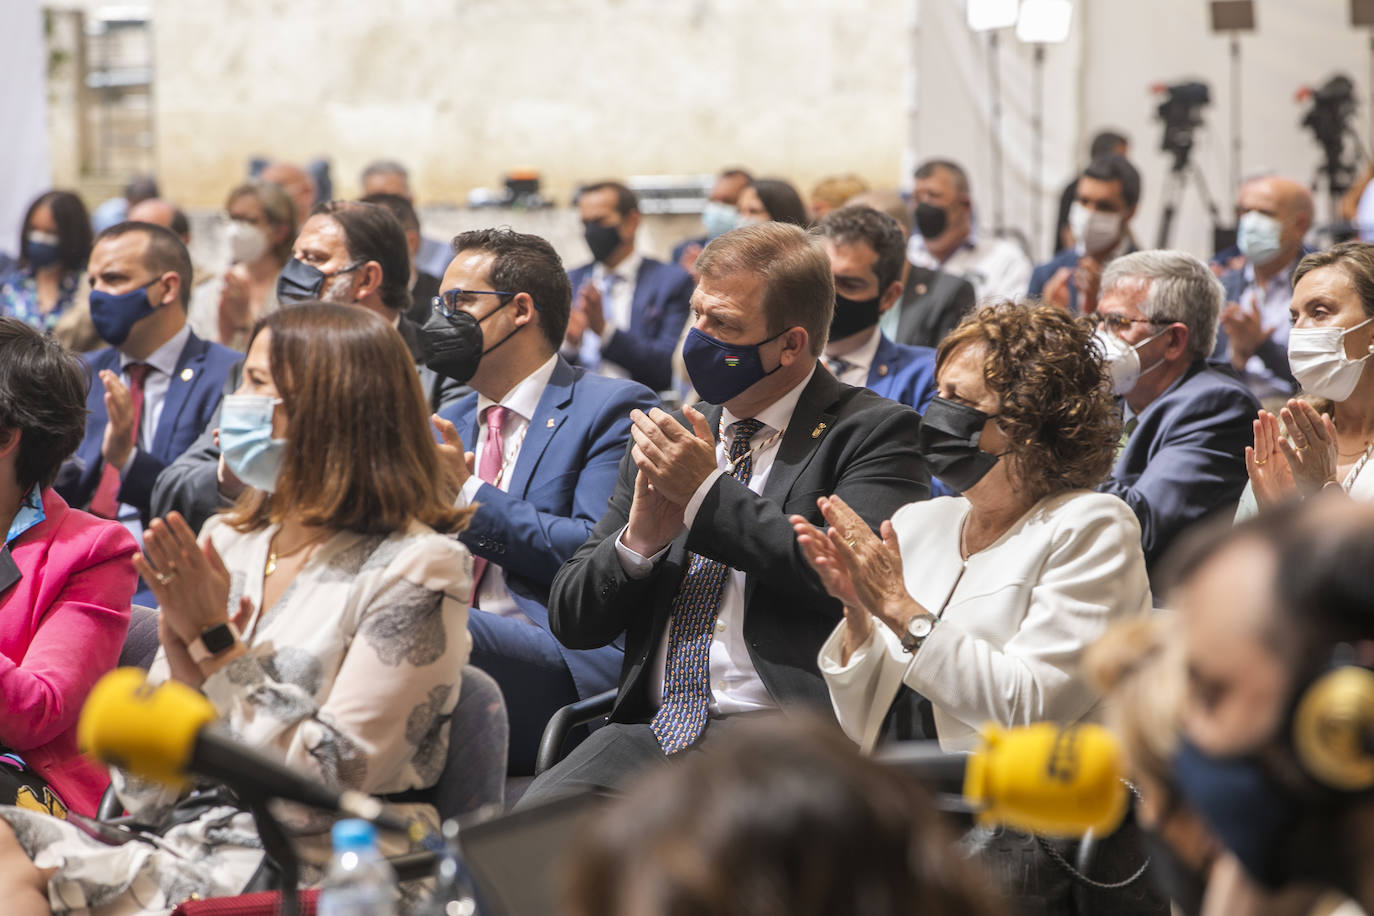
(841, 440)
(932, 303)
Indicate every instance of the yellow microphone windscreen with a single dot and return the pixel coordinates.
(146, 729)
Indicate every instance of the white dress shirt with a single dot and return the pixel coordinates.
(521, 403)
(997, 268)
(616, 308)
(1271, 300)
(735, 683)
(858, 362)
(1014, 619)
(162, 363)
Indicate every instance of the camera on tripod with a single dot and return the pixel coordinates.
(1181, 112)
(1333, 103)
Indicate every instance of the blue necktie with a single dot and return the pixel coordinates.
(687, 675)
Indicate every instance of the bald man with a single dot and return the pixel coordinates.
(297, 184)
(1273, 214)
(162, 213)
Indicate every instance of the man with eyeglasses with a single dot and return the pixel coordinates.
(1187, 420)
(537, 448)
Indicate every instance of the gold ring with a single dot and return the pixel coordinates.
(853, 543)
(1303, 448)
(1260, 464)
(165, 578)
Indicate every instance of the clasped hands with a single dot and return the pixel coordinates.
(859, 569)
(673, 461)
(1279, 468)
(191, 585)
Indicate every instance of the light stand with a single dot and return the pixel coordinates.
(1232, 17)
(989, 16)
(1040, 22)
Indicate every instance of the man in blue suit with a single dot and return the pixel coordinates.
(546, 441)
(157, 384)
(867, 250)
(628, 310)
(1100, 219)
(1187, 420)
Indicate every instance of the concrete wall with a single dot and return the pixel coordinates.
(463, 90)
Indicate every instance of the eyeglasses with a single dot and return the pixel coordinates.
(447, 303)
(1120, 323)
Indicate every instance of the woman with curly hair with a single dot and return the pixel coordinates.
(983, 604)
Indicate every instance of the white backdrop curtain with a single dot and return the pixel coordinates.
(23, 114)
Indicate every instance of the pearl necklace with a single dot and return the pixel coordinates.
(1348, 484)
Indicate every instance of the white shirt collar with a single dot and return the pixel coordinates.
(1284, 276)
(627, 269)
(164, 358)
(863, 355)
(523, 399)
(777, 415)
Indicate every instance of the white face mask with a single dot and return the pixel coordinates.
(1317, 357)
(1123, 360)
(1094, 230)
(246, 242)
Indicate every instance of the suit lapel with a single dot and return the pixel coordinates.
(9, 570)
(812, 419)
(547, 420)
(184, 376)
(886, 360)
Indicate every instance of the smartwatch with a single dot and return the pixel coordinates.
(918, 630)
(212, 641)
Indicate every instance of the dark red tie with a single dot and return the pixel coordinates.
(106, 500)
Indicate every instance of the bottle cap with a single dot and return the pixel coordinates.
(352, 835)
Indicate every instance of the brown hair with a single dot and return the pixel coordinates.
(1057, 408)
(276, 207)
(359, 453)
(788, 819)
(799, 286)
(1356, 259)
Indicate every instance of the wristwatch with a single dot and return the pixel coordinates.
(918, 630)
(212, 641)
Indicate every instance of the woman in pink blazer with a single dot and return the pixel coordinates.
(66, 579)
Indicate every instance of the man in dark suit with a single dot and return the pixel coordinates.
(424, 286)
(628, 310)
(153, 390)
(1187, 420)
(695, 562)
(1273, 214)
(1100, 217)
(546, 440)
(347, 252)
(867, 250)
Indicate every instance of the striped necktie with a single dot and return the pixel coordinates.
(687, 675)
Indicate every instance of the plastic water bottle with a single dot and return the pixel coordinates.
(453, 894)
(359, 882)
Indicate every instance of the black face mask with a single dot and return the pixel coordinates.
(852, 316)
(300, 281)
(453, 346)
(931, 220)
(602, 240)
(1183, 884)
(948, 439)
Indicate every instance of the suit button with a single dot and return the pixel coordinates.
(720, 627)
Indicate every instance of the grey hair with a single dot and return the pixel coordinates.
(1181, 288)
(385, 167)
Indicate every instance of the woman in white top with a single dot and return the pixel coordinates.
(325, 617)
(983, 604)
(1331, 428)
(261, 229)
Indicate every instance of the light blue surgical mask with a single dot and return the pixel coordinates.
(1258, 236)
(719, 217)
(245, 439)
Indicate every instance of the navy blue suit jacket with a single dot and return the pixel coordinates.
(903, 373)
(1274, 355)
(559, 488)
(658, 313)
(1186, 457)
(192, 399)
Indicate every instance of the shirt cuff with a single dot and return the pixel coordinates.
(635, 566)
(689, 513)
(468, 494)
(128, 463)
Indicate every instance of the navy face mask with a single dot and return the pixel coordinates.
(42, 249)
(721, 371)
(300, 281)
(115, 314)
(949, 443)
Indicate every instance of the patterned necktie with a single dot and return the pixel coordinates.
(105, 502)
(1127, 429)
(489, 469)
(687, 676)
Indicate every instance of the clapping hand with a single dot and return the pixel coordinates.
(1271, 477)
(1312, 454)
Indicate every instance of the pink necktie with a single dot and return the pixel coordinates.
(489, 469)
(106, 500)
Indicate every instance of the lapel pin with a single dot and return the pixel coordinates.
(920, 289)
(551, 423)
(187, 373)
(882, 370)
(816, 433)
